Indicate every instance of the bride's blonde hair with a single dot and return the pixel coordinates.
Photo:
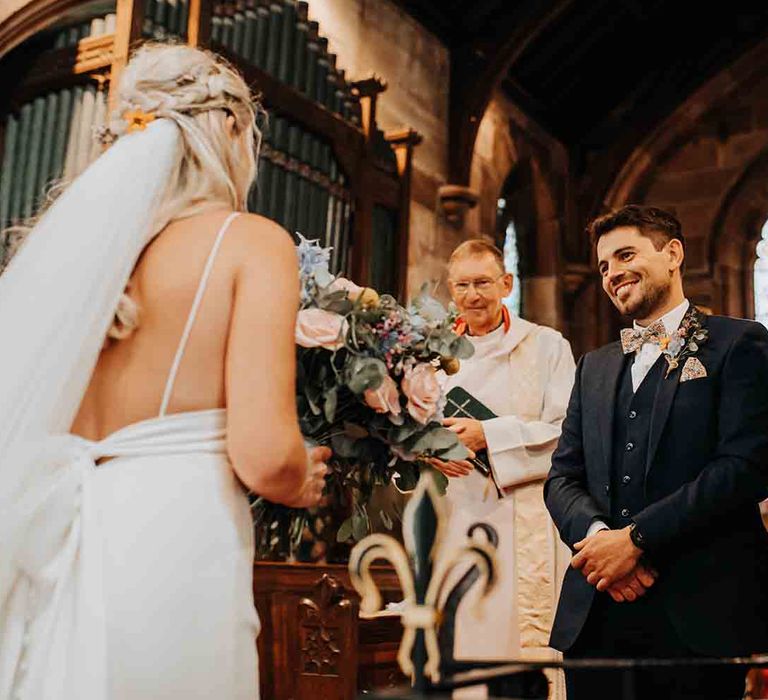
(216, 114)
(217, 117)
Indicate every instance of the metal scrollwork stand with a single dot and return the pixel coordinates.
(425, 572)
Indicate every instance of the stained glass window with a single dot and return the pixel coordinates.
(512, 262)
(761, 278)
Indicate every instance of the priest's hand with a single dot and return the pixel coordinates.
(452, 469)
(469, 431)
(634, 585)
(606, 557)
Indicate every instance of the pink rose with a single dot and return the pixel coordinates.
(343, 284)
(317, 328)
(421, 387)
(366, 295)
(385, 399)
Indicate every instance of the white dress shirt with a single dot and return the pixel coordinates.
(647, 355)
(645, 358)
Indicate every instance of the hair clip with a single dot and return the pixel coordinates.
(137, 120)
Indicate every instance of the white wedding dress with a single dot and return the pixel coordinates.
(147, 593)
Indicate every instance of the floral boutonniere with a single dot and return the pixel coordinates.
(685, 341)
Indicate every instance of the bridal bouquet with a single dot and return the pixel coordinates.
(367, 386)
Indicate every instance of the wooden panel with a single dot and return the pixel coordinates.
(312, 644)
(90, 59)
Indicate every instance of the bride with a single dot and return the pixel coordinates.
(146, 378)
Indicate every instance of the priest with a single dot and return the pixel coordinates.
(522, 374)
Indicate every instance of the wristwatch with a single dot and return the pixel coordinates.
(636, 536)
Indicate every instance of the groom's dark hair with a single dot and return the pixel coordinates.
(654, 223)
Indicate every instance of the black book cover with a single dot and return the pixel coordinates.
(461, 404)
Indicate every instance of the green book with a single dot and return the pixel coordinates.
(461, 404)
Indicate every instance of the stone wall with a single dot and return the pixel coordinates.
(377, 37)
(708, 164)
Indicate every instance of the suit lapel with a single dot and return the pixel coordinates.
(665, 396)
(662, 405)
(606, 392)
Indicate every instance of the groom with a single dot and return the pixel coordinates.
(656, 479)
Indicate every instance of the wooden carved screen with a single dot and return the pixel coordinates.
(326, 169)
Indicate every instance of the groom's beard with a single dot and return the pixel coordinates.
(655, 296)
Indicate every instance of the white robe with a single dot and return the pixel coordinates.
(525, 376)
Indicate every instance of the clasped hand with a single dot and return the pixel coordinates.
(471, 434)
(611, 562)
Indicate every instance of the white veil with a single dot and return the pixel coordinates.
(57, 300)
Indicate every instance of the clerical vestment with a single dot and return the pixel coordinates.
(524, 375)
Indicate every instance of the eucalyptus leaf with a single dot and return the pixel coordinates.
(441, 481)
(433, 440)
(331, 401)
(457, 452)
(345, 531)
(365, 373)
(344, 446)
(461, 348)
(359, 525)
(386, 519)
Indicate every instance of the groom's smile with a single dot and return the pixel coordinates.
(635, 272)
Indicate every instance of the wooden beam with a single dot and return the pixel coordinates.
(199, 27)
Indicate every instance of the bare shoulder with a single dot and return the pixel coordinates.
(258, 240)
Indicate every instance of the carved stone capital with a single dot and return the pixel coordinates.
(454, 201)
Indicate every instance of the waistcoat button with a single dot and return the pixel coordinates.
(625, 512)
(626, 478)
(630, 446)
(633, 414)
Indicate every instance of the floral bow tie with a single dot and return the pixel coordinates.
(633, 339)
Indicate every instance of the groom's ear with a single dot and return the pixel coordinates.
(676, 255)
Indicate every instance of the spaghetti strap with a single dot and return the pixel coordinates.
(193, 312)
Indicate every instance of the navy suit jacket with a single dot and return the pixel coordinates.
(706, 471)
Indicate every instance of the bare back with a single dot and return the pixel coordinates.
(128, 383)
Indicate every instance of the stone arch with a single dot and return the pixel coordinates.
(633, 178)
(20, 19)
(737, 230)
(515, 160)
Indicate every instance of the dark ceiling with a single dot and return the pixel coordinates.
(590, 70)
